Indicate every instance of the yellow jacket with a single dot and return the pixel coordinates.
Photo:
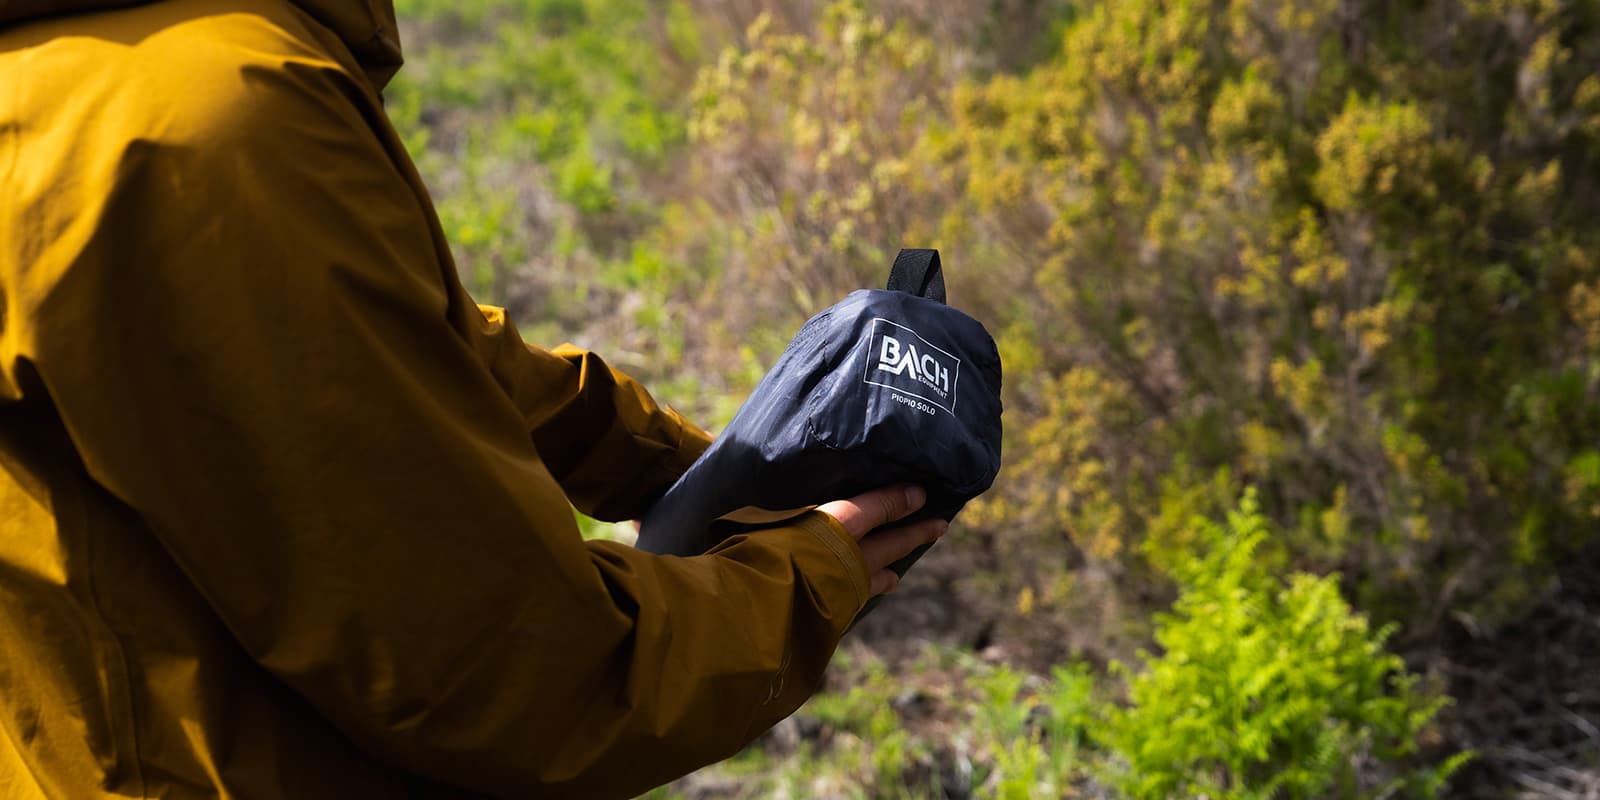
(283, 513)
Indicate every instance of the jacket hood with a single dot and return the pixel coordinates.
(367, 27)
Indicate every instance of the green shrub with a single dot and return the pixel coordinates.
(1342, 251)
(1265, 688)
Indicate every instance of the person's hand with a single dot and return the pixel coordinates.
(865, 516)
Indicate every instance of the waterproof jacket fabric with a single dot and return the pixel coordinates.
(282, 512)
(884, 387)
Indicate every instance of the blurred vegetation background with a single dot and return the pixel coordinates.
(1299, 303)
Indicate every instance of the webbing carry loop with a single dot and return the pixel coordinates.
(916, 271)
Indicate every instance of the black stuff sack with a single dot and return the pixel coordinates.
(888, 386)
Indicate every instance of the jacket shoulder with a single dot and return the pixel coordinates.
(180, 73)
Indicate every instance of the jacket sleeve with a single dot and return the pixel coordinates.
(609, 444)
(263, 350)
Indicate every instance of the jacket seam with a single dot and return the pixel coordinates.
(830, 539)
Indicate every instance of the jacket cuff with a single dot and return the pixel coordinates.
(845, 550)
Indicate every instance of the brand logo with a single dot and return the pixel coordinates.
(905, 360)
(900, 358)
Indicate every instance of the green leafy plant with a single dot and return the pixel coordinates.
(1265, 688)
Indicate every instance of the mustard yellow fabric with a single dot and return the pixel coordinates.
(283, 513)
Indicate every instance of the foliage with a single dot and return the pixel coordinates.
(1339, 251)
(947, 724)
(542, 124)
(1265, 688)
(1261, 688)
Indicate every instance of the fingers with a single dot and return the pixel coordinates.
(884, 581)
(888, 546)
(883, 548)
(864, 514)
(861, 514)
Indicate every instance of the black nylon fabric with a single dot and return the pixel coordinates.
(884, 387)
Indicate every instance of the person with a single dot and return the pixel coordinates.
(283, 512)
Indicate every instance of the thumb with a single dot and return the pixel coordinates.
(866, 512)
